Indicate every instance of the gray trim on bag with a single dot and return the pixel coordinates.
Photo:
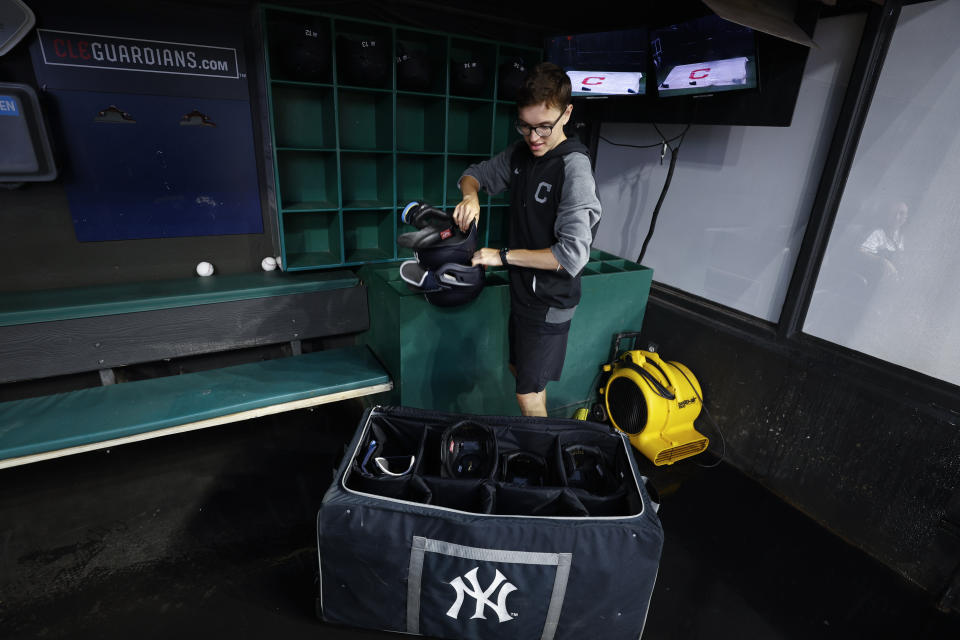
(420, 546)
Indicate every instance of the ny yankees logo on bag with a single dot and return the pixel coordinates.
(482, 597)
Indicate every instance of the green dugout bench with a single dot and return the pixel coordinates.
(98, 329)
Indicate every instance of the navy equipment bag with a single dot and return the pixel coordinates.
(457, 526)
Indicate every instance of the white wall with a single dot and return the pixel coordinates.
(734, 216)
(900, 302)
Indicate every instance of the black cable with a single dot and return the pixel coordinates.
(716, 427)
(665, 144)
(656, 209)
(723, 442)
(639, 146)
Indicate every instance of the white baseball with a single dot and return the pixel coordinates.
(204, 269)
(269, 263)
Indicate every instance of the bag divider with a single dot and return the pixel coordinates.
(582, 495)
(470, 495)
(538, 501)
(411, 487)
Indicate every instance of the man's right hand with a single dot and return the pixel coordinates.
(467, 212)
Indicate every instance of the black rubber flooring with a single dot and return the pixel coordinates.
(211, 535)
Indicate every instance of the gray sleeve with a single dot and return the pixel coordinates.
(493, 174)
(577, 214)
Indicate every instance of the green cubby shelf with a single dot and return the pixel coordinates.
(455, 168)
(307, 180)
(354, 139)
(311, 239)
(420, 178)
(504, 132)
(368, 235)
(498, 226)
(420, 123)
(469, 126)
(366, 180)
(303, 117)
(366, 120)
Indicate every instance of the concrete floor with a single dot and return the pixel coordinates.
(211, 534)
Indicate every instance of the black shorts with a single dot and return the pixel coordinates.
(537, 351)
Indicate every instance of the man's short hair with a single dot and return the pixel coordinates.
(546, 83)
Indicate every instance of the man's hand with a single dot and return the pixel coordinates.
(467, 212)
(487, 257)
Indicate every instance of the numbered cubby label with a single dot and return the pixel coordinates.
(364, 54)
(512, 67)
(472, 68)
(421, 60)
(299, 47)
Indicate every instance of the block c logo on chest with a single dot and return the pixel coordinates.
(542, 198)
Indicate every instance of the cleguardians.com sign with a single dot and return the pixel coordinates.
(67, 48)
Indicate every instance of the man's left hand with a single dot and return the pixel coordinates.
(487, 257)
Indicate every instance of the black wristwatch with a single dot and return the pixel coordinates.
(503, 257)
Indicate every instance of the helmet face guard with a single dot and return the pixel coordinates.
(523, 469)
(587, 468)
(450, 285)
(468, 450)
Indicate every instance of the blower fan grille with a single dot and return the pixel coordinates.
(628, 408)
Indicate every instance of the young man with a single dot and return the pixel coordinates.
(554, 212)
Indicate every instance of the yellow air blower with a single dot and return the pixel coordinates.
(655, 403)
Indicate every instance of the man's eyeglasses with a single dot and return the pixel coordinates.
(543, 131)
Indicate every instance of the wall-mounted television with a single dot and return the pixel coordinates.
(609, 63)
(702, 56)
(743, 76)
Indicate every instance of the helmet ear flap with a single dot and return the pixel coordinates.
(416, 239)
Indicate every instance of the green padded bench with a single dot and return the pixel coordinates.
(97, 329)
(52, 426)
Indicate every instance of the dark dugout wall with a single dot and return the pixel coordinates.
(156, 140)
